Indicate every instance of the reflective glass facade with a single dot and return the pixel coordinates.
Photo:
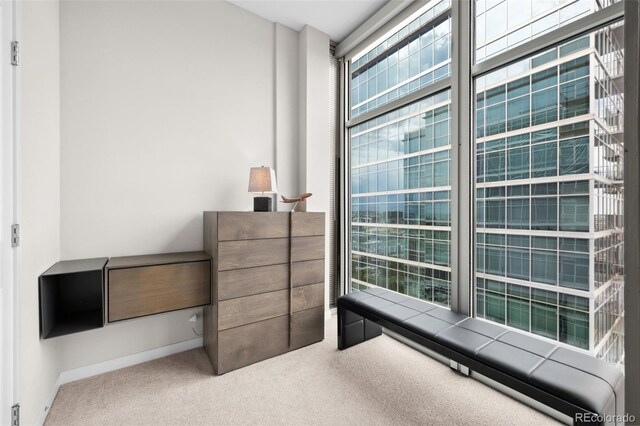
(549, 192)
(504, 24)
(415, 56)
(401, 200)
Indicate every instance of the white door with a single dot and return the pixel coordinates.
(9, 154)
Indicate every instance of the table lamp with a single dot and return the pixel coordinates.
(262, 180)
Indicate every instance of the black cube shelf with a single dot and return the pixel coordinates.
(72, 297)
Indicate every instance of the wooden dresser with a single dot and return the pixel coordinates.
(267, 285)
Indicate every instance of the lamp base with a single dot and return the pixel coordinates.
(262, 204)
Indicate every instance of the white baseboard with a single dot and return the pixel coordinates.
(128, 360)
(52, 395)
(112, 365)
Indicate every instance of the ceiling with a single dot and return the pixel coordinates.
(336, 18)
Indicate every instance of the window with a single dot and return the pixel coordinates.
(495, 306)
(518, 164)
(495, 260)
(518, 213)
(495, 119)
(544, 266)
(518, 306)
(574, 214)
(495, 213)
(401, 200)
(574, 156)
(544, 160)
(574, 321)
(544, 106)
(503, 24)
(541, 151)
(574, 328)
(544, 79)
(413, 57)
(518, 113)
(518, 263)
(544, 213)
(546, 168)
(544, 319)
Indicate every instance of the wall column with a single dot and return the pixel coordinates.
(314, 127)
(286, 113)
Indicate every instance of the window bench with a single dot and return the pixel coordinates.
(582, 387)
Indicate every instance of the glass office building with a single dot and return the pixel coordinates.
(415, 56)
(547, 155)
(400, 163)
(549, 181)
(401, 198)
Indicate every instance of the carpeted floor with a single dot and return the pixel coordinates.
(380, 382)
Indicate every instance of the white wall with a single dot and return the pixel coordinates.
(164, 108)
(287, 115)
(40, 196)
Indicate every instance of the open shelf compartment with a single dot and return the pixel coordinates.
(72, 297)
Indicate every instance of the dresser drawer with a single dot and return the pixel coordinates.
(307, 327)
(249, 281)
(307, 248)
(251, 253)
(251, 343)
(308, 272)
(245, 310)
(252, 225)
(307, 224)
(306, 297)
(136, 292)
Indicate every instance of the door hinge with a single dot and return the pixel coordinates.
(15, 235)
(15, 53)
(15, 415)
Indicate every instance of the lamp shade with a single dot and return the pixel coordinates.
(263, 180)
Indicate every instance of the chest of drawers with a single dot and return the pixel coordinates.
(267, 285)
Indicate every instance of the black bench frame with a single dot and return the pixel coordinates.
(364, 325)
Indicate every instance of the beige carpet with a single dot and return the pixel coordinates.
(380, 382)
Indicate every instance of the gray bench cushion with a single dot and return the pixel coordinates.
(588, 364)
(374, 303)
(394, 297)
(567, 374)
(463, 340)
(512, 360)
(376, 290)
(426, 325)
(418, 305)
(397, 313)
(572, 385)
(528, 343)
(485, 328)
(352, 297)
(447, 315)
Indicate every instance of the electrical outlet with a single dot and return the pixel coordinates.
(193, 318)
(15, 415)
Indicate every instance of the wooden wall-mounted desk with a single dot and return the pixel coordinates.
(138, 286)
